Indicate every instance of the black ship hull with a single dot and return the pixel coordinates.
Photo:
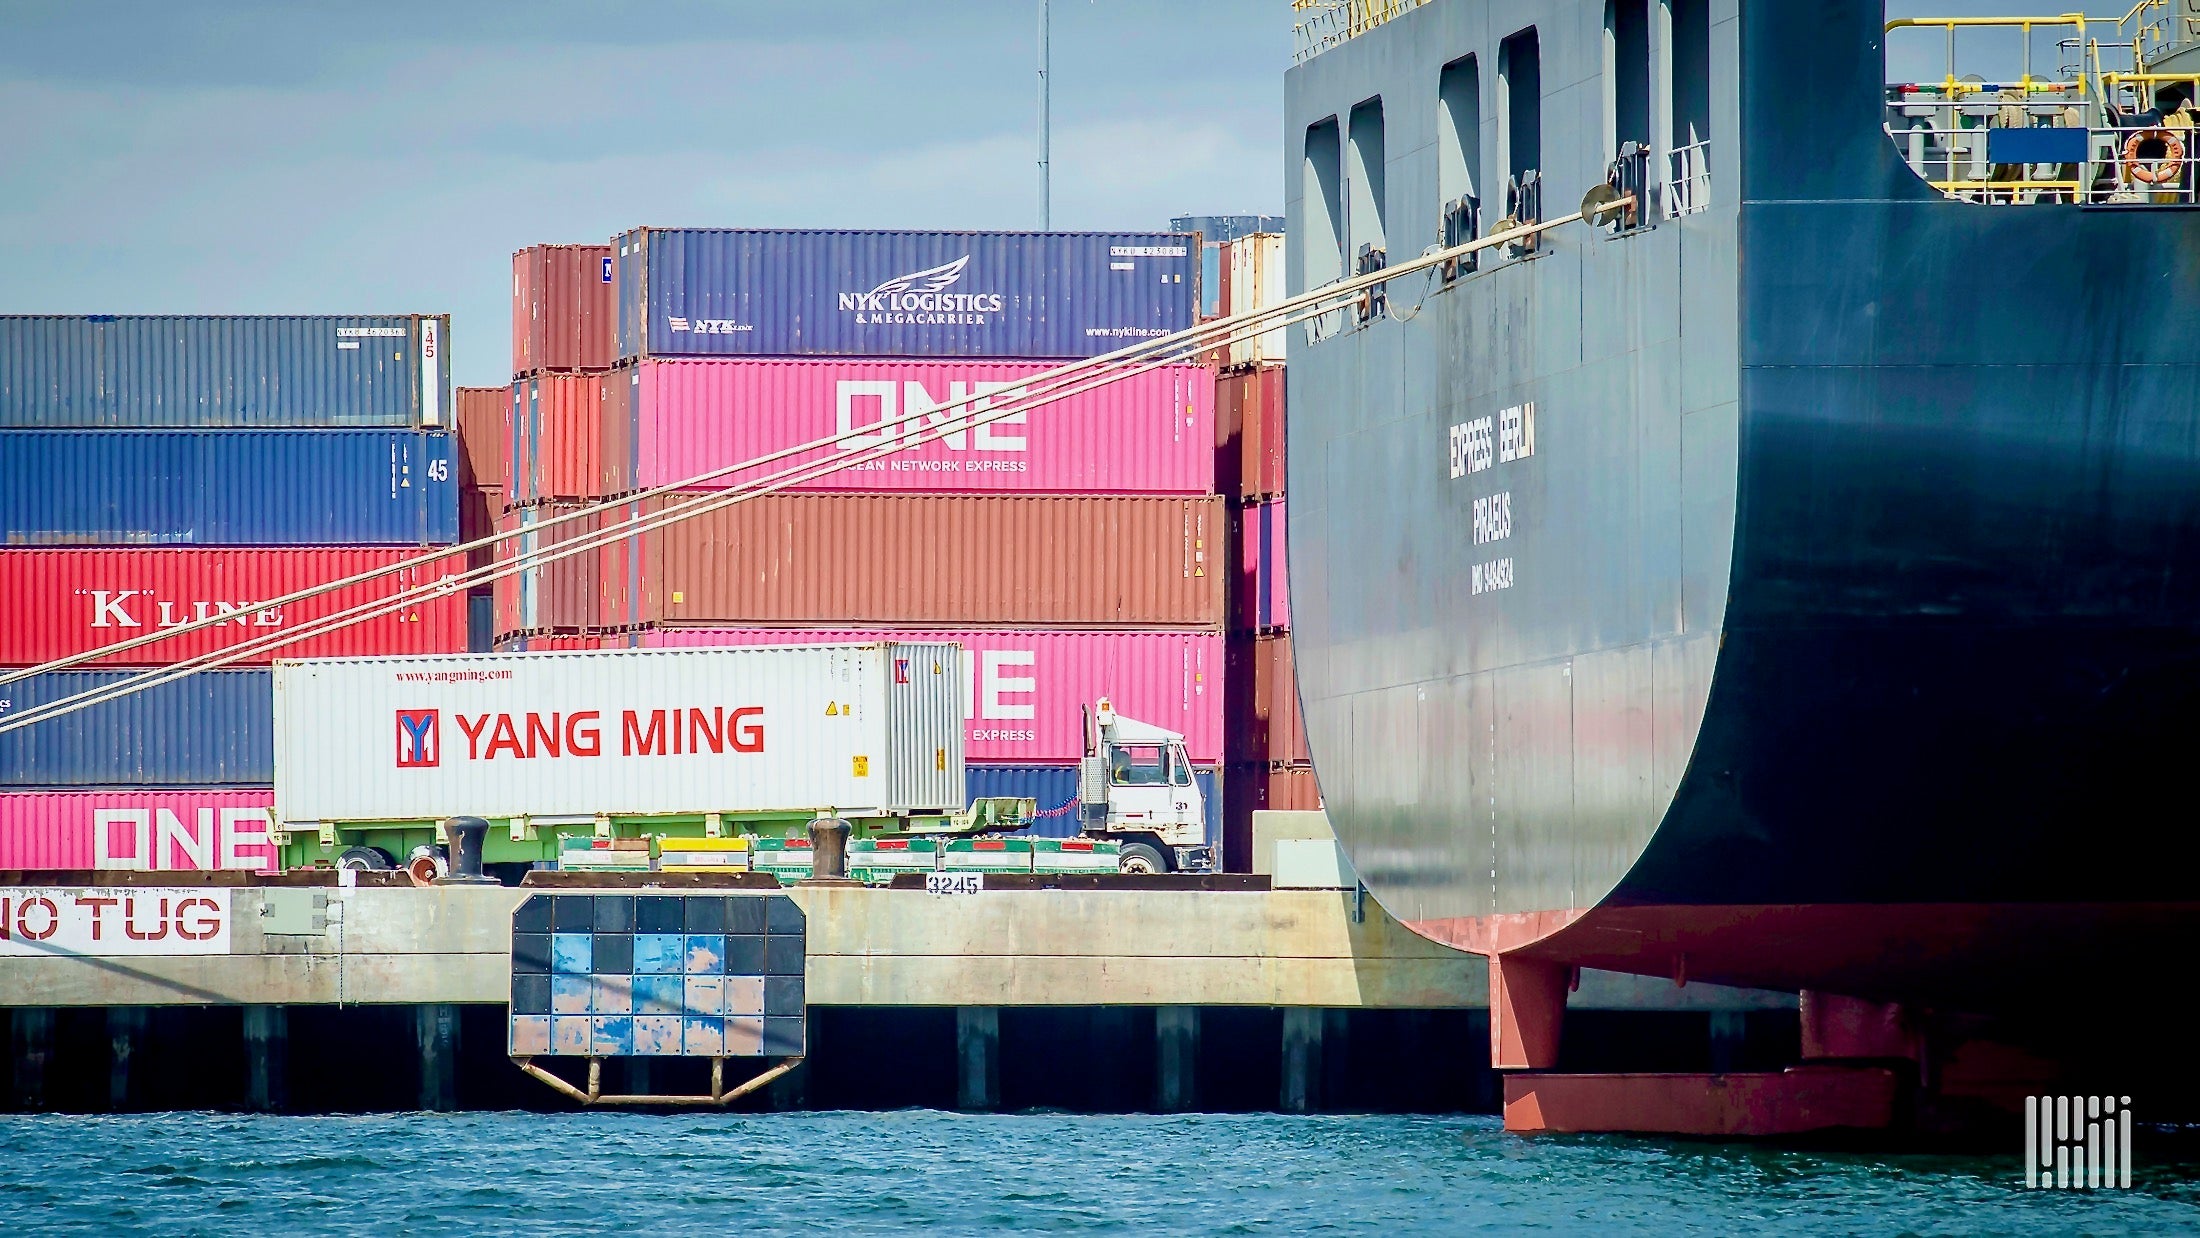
(1849, 636)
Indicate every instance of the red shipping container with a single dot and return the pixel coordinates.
(1247, 789)
(55, 603)
(1276, 568)
(561, 437)
(484, 436)
(564, 309)
(1245, 575)
(940, 560)
(1266, 725)
(558, 643)
(141, 831)
(1249, 431)
(1276, 701)
(553, 595)
(478, 510)
(504, 590)
(1293, 789)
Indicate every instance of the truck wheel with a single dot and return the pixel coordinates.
(1140, 858)
(366, 860)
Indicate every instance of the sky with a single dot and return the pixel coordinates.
(272, 156)
(288, 156)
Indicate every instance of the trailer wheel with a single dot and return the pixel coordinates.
(366, 860)
(1140, 858)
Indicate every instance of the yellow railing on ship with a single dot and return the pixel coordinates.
(2028, 81)
(1326, 23)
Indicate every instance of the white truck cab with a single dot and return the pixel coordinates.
(1135, 785)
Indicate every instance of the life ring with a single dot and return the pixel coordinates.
(2167, 168)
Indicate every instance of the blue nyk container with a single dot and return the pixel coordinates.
(227, 487)
(1056, 785)
(127, 371)
(721, 292)
(214, 729)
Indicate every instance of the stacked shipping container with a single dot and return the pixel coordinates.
(1269, 765)
(1075, 550)
(158, 470)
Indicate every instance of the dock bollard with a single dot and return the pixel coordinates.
(829, 852)
(466, 834)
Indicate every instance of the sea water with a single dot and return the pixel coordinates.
(626, 1173)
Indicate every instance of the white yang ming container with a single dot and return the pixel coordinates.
(863, 730)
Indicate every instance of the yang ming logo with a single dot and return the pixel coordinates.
(419, 739)
(922, 298)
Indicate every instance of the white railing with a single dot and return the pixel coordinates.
(1949, 145)
(1688, 180)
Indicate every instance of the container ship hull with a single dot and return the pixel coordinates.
(1798, 591)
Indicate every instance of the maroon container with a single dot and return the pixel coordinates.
(564, 311)
(944, 560)
(1249, 431)
(1265, 724)
(478, 510)
(561, 595)
(1249, 788)
(484, 437)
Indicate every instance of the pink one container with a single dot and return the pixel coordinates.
(143, 831)
(1024, 691)
(1151, 433)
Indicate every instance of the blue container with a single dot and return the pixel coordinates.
(1055, 785)
(227, 488)
(727, 293)
(126, 371)
(214, 729)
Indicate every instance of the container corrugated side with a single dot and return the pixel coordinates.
(213, 729)
(1266, 725)
(1277, 561)
(227, 488)
(725, 292)
(564, 313)
(1023, 691)
(1150, 433)
(136, 831)
(1053, 786)
(564, 435)
(55, 603)
(922, 710)
(1249, 431)
(130, 371)
(477, 518)
(1277, 722)
(940, 561)
(1245, 571)
(484, 440)
(1256, 283)
(644, 732)
(557, 595)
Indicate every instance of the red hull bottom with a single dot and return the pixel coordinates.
(1971, 1006)
(1984, 958)
(1755, 1105)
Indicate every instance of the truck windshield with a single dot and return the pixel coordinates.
(1140, 766)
